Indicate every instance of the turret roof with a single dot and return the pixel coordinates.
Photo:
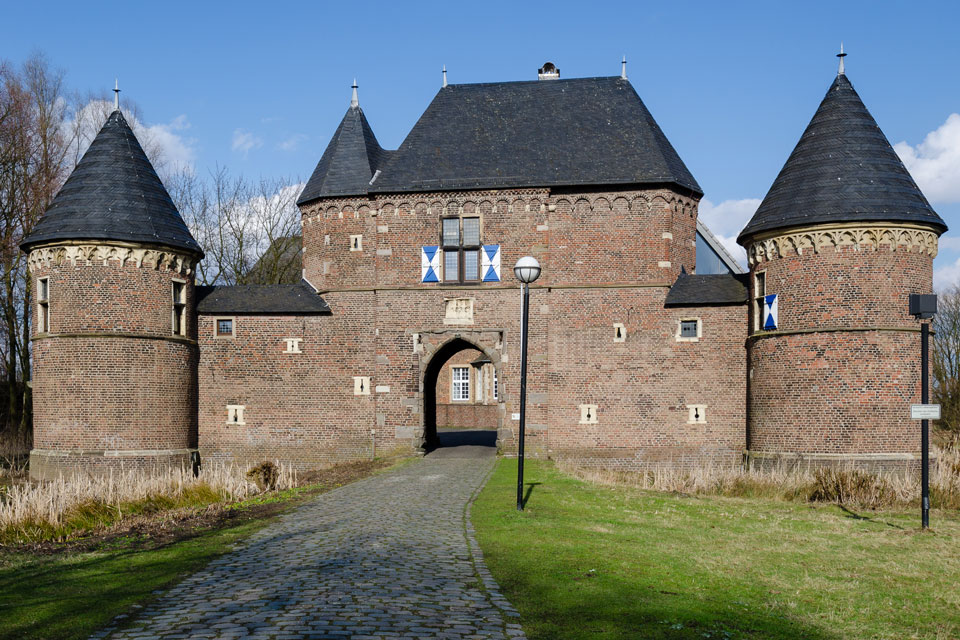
(114, 193)
(349, 161)
(842, 170)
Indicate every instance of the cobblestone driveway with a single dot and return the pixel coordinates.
(391, 556)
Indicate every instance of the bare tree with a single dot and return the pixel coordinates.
(946, 358)
(250, 232)
(33, 165)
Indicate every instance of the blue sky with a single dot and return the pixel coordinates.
(260, 87)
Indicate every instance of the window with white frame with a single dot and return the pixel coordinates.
(43, 305)
(179, 290)
(460, 391)
(759, 292)
(224, 327)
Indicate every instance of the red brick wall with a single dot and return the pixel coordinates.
(839, 376)
(607, 257)
(109, 378)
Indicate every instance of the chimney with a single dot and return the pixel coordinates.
(548, 71)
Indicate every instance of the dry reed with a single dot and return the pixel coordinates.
(842, 486)
(61, 507)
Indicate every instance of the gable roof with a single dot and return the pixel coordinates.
(692, 290)
(573, 132)
(114, 193)
(843, 169)
(261, 299)
(349, 162)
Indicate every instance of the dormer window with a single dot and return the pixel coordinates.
(460, 240)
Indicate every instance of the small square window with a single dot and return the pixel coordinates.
(224, 327)
(293, 345)
(356, 243)
(688, 330)
(235, 414)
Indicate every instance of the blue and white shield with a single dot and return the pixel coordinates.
(429, 263)
(770, 314)
(490, 263)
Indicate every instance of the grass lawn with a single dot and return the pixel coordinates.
(586, 561)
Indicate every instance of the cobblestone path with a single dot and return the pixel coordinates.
(391, 556)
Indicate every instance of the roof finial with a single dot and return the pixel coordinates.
(841, 55)
(623, 68)
(116, 94)
(354, 100)
(444, 75)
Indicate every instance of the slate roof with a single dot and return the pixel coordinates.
(842, 170)
(264, 299)
(349, 162)
(573, 132)
(691, 290)
(114, 194)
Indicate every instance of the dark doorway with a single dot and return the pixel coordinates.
(437, 436)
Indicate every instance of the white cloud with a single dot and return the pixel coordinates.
(946, 276)
(291, 143)
(244, 141)
(168, 148)
(726, 220)
(949, 243)
(935, 162)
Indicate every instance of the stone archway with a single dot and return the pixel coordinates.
(438, 348)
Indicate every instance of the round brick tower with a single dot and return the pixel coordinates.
(841, 239)
(114, 323)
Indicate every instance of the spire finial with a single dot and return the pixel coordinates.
(116, 94)
(354, 100)
(444, 75)
(841, 55)
(623, 68)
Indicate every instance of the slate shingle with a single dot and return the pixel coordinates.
(114, 193)
(349, 162)
(573, 132)
(266, 299)
(842, 170)
(691, 290)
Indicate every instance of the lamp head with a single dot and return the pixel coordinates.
(527, 269)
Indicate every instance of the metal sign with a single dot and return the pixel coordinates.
(924, 412)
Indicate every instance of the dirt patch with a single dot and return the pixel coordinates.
(158, 530)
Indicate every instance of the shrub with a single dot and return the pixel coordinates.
(851, 487)
(265, 476)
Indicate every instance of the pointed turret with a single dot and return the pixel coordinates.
(114, 194)
(842, 170)
(350, 160)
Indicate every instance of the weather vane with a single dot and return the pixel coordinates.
(116, 94)
(841, 55)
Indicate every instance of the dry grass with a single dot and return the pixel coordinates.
(67, 507)
(842, 486)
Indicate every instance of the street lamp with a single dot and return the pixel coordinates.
(527, 270)
(924, 307)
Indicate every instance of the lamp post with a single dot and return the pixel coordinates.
(924, 307)
(527, 270)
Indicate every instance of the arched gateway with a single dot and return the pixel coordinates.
(438, 349)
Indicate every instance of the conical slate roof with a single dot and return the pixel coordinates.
(842, 170)
(114, 194)
(348, 164)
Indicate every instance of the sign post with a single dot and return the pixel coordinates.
(924, 307)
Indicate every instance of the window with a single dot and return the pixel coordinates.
(461, 384)
(224, 327)
(43, 305)
(688, 330)
(293, 345)
(496, 386)
(460, 239)
(235, 414)
(759, 292)
(179, 308)
(356, 243)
